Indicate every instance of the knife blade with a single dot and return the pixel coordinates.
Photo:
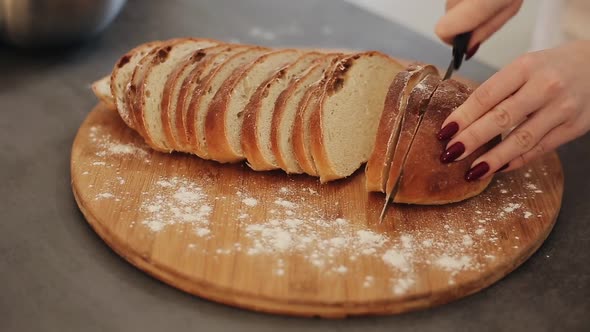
(398, 181)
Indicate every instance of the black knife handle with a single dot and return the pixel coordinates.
(460, 44)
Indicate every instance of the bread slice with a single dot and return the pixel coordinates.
(102, 90)
(170, 96)
(131, 99)
(301, 133)
(214, 58)
(257, 126)
(151, 90)
(344, 125)
(426, 180)
(223, 123)
(285, 111)
(206, 90)
(121, 76)
(377, 168)
(417, 103)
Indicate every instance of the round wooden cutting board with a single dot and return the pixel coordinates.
(284, 244)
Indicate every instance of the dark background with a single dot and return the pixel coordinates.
(57, 275)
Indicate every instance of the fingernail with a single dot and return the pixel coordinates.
(503, 168)
(477, 171)
(452, 153)
(448, 131)
(471, 52)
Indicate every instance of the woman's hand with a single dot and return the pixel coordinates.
(542, 98)
(483, 17)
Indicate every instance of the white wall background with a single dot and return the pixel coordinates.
(422, 15)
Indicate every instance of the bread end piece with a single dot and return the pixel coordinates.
(102, 91)
(426, 181)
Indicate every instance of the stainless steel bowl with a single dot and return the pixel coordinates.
(53, 22)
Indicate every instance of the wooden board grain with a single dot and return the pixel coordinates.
(286, 244)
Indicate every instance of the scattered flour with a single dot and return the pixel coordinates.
(249, 201)
(328, 243)
(201, 231)
(109, 146)
(401, 286)
(286, 204)
(467, 240)
(511, 207)
(396, 259)
(453, 263)
(104, 196)
(341, 269)
(533, 188)
(179, 201)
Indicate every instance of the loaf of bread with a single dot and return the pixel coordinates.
(303, 111)
(425, 179)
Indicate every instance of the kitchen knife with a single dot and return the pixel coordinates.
(460, 44)
(395, 188)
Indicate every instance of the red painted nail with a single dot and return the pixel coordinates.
(448, 131)
(471, 52)
(503, 168)
(477, 171)
(452, 153)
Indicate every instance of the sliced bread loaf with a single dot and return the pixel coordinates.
(284, 114)
(257, 126)
(426, 180)
(121, 76)
(206, 90)
(344, 125)
(151, 91)
(377, 167)
(223, 123)
(416, 105)
(172, 89)
(188, 86)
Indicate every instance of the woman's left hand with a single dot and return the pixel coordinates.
(542, 99)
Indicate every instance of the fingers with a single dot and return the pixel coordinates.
(466, 16)
(451, 3)
(555, 138)
(499, 87)
(531, 137)
(506, 115)
(487, 29)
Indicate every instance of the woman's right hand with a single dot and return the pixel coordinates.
(483, 17)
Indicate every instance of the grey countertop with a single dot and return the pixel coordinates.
(57, 275)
